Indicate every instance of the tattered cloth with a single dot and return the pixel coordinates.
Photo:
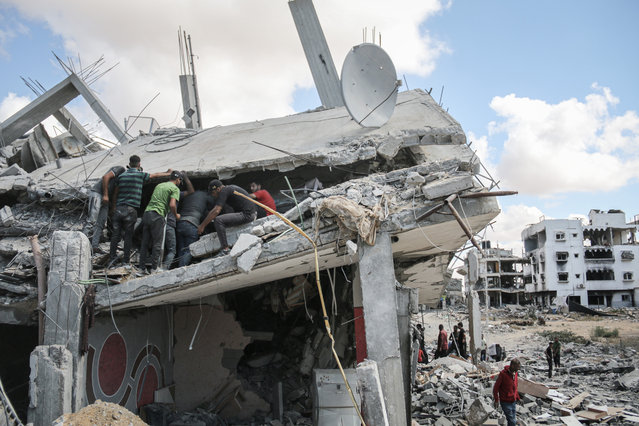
(353, 216)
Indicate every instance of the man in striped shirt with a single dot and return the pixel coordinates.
(128, 195)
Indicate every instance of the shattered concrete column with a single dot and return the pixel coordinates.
(406, 299)
(51, 382)
(474, 324)
(377, 276)
(373, 407)
(70, 262)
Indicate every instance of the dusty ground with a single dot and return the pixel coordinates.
(101, 413)
(515, 337)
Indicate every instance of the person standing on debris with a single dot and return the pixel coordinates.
(461, 341)
(556, 352)
(505, 391)
(483, 347)
(549, 358)
(170, 238)
(262, 196)
(128, 195)
(165, 194)
(100, 196)
(240, 211)
(442, 343)
(192, 209)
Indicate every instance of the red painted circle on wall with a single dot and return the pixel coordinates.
(112, 364)
(145, 395)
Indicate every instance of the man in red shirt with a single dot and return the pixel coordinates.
(262, 196)
(505, 391)
(442, 343)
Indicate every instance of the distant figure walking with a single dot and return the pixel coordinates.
(452, 344)
(442, 343)
(549, 358)
(461, 341)
(556, 351)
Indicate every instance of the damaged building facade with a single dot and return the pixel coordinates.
(593, 264)
(378, 212)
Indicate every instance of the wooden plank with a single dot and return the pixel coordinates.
(574, 402)
(532, 388)
(590, 415)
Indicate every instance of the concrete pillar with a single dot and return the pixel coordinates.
(406, 299)
(70, 262)
(51, 378)
(377, 276)
(474, 324)
(373, 407)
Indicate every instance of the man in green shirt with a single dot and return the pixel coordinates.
(165, 197)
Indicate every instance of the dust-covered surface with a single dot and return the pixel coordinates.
(100, 413)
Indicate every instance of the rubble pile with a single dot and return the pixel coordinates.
(596, 382)
(100, 413)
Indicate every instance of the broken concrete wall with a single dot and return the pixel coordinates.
(209, 343)
(51, 384)
(130, 356)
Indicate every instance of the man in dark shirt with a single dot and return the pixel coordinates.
(170, 237)
(240, 211)
(128, 195)
(99, 197)
(192, 209)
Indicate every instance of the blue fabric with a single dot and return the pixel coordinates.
(186, 235)
(510, 410)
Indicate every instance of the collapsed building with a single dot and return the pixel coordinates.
(246, 334)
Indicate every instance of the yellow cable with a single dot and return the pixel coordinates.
(319, 290)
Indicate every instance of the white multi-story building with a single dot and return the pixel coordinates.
(594, 264)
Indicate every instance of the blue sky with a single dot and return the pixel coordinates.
(546, 90)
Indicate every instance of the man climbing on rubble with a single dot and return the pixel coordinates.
(452, 345)
(461, 341)
(128, 195)
(101, 201)
(170, 237)
(442, 343)
(262, 196)
(556, 352)
(235, 209)
(549, 358)
(192, 209)
(505, 391)
(165, 197)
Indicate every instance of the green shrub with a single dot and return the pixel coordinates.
(604, 332)
(563, 336)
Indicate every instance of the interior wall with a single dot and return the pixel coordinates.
(126, 367)
(209, 343)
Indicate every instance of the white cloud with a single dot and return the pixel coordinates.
(249, 57)
(11, 104)
(506, 231)
(570, 146)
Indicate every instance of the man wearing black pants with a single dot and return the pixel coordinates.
(226, 199)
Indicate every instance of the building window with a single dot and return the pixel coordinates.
(574, 235)
(576, 254)
(561, 256)
(625, 298)
(560, 236)
(577, 275)
(562, 277)
(627, 276)
(627, 255)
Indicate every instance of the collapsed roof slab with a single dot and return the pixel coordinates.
(327, 137)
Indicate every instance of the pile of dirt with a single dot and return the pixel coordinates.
(100, 413)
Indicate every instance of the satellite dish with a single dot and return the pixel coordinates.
(369, 85)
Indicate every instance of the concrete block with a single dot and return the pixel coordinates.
(6, 184)
(443, 421)
(10, 246)
(479, 412)
(6, 216)
(258, 231)
(50, 384)
(13, 170)
(389, 148)
(447, 186)
(21, 183)
(247, 260)
(374, 409)
(444, 396)
(244, 243)
(414, 178)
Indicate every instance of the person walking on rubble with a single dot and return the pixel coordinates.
(170, 237)
(452, 345)
(128, 195)
(101, 201)
(483, 348)
(262, 196)
(461, 341)
(165, 197)
(442, 343)
(549, 358)
(556, 352)
(505, 391)
(240, 211)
